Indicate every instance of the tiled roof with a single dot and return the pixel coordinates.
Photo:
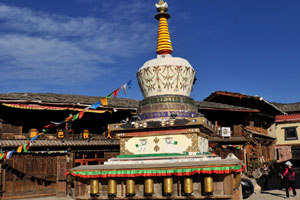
(79, 101)
(288, 118)
(220, 106)
(60, 143)
(65, 99)
(236, 99)
(289, 107)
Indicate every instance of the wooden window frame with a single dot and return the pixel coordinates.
(286, 138)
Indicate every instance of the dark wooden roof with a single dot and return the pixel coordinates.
(61, 143)
(238, 99)
(65, 99)
(205, 105)
(81, 101)
(291, 108)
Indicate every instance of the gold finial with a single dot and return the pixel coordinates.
(162, 6)
(161, 2)
(164, 45)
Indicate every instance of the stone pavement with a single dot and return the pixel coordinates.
(274, 192)
(274, 195)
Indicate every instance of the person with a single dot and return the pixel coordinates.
(265, 175)
(280, 174)
(289, 177)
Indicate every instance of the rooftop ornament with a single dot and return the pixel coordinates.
(164, 45)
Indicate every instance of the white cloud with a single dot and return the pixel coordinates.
(67, 49)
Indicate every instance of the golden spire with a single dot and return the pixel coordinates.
(164, 45)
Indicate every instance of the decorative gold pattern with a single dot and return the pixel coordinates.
(166, 78)
(123, 150)
(194, 146)
(156, 140)
(156, 148)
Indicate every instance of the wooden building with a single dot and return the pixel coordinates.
(41, 170)
(250, 120)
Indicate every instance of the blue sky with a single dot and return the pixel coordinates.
(92, 47)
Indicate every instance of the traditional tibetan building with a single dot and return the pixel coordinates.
(164, 149)
(288, 139)
(251, 128)
(40, 170)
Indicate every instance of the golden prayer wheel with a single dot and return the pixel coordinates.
(168, 186)
(149, 187)
(130, 187)
(112, 187)
(188, 186)
(208, 184)
(94, 187)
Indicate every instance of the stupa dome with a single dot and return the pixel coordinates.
(166, 82)
(166, 75)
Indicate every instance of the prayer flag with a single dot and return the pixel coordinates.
(116, 92)
(129, 84)
(123, 87)
(34, 138)
(96, 105)
(69, 118)
(5, 155)
(49, 126)
(82, 112)
(57, 123)
(19, 150)
(75, 117)
(26, 147)
(104, 101)
(109, 96)
(2, 155)
(10, 153)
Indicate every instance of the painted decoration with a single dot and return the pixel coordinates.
(166, 75)
(164, 144)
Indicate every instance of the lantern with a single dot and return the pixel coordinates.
(60, 133)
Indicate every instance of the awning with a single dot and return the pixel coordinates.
(148, 171)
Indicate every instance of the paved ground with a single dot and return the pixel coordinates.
(273, 195)
(274, 192)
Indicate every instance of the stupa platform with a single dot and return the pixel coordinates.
(153, 166)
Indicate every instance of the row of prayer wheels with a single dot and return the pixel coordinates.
(149, 186)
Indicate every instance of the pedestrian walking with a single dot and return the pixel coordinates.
(265, 170)
(289, 177)
(281, 178)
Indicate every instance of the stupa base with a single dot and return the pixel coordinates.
(168, 178)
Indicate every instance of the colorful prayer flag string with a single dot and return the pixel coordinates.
(79, 115)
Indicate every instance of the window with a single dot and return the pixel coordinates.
(290, 133)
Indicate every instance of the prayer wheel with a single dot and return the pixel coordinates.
(188, 186)
(208, 184)
(130, 188)
(149, 187)
(112, 188)
(168, 186)
(94, 187)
